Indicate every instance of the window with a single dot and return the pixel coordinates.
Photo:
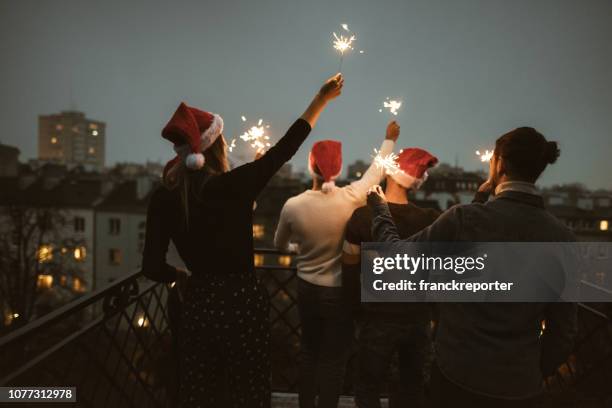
(258, 231)
(91, 150)
(603, 225)
(114, 256)
(114, 226)
(44, 281)
(258, 259)
(45, 253)
(80, 253)
(78, 285)
(79, 224)
(53, 140)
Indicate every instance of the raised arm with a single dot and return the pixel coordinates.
(255, 175)
(374, 174)
(446, 228)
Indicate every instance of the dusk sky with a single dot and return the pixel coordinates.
(467, 72)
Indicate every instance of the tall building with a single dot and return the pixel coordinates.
(71, 138)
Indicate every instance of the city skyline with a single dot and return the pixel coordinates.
(544, 64)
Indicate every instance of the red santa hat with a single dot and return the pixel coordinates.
(326, 157)
(192, 131)
(413, 164)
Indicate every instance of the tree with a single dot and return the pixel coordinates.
(33, 255)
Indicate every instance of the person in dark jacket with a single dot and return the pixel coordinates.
(206, 211)
(494, 355)
(389, 328)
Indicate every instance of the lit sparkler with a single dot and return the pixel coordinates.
(485, 156)
(388, 163)
(232, 145)
(391, 104)
(343, 43)
(256, 136)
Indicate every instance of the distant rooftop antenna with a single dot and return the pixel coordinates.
(456, 161)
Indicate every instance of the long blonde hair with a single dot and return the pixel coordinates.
(179, 176)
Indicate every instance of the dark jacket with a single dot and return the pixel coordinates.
(219, 236)
(496, 348)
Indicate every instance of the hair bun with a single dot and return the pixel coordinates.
(551, 152)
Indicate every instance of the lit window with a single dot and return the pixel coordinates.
(358, 174)
(59, 127)
(80, 253)
(93, 126)
(94, 133)
(45, 253)
(258, 231)
(258, 259)
(44, 281)
(78, 285)
(603, 225)
(75, 129)
(54, 140)
(114, 256)
(284, 260)
(91, 150)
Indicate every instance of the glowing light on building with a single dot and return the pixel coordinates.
(284, 260)
(44, 281)
(603, 225)
(80, 253)
(45, 253)
(258, 259)
(258, 231)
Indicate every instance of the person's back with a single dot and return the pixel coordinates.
(318, 223)
(493, 353)
(495, 348)
(314, 222)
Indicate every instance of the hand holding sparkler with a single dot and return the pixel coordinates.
(331, 89)
(393, 131)
(376, 196)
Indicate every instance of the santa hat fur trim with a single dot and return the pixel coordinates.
(413, 164)
(192, 131)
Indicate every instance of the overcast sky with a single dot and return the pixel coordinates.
(467, 71)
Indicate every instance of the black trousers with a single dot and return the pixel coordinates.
(224, 344)
(327, 333)
(444, 393)
(379, 340)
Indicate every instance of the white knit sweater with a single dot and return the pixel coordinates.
(315, 221)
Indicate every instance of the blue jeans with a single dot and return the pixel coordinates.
(327, 333)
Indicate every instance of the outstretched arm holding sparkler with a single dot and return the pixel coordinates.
(255, 175)
(376, 172)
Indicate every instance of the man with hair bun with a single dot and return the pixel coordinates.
(493, 354)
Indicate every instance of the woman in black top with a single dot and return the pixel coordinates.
(207, 213)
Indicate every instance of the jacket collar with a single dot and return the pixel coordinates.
(535, 200)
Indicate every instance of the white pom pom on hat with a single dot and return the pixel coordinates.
(194, 161)
(328, 186)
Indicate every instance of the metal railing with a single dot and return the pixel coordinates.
(116, 345)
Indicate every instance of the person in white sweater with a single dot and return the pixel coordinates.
(313, 224)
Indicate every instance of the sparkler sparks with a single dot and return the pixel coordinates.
(388, 163)
(232, 145)
(392, 105)
(256, 136)
(343, 43)
(485, 156)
